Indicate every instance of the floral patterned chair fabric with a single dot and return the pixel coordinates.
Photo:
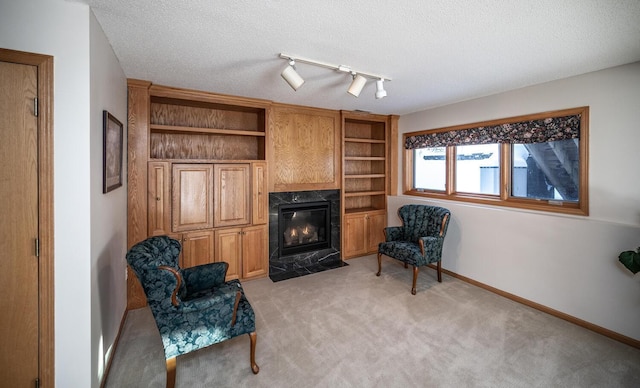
(193, 307)
(418, 241)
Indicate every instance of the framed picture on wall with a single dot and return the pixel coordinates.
(111, 153)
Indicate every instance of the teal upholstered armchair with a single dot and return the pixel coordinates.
(418, 242)
(193, 307)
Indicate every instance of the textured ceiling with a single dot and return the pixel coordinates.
(436, 52)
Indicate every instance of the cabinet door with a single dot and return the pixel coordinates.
(197, 248)
(232, 196)
(355, 235)
(158, 199)
(255, 251)
(260, 203)
(192, 197)
(228, 248)
(375, 224)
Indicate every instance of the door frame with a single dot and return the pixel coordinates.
(46, 334)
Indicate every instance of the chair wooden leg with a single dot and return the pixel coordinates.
(379, 264)
(254, 367)
(439, 268)
(415, 278)
(171, 372)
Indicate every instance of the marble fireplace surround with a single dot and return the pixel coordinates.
(304, 263)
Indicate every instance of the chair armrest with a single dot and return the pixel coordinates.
(168, 294)
(205, 276)
(432, 247)
(393, 233)
(223, 298)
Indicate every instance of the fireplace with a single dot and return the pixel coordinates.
(304, 227)
(304, 233)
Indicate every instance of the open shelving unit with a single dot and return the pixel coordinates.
(194, 127)
(365, 181)
(364, 163)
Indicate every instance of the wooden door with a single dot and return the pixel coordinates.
(355, 235)
(159, 199)
(192, 197)
(375, 235)
(197, 248)
(255, 251)
(260, 203)
(228, 248)
(231, 197)
(19, 227)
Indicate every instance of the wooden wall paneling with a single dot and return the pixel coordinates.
(137, 156)
(305, 142)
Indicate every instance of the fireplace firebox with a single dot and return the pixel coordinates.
(311, 243)
(304, 227)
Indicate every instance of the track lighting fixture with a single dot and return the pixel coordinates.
(380, 92)
(358, 82)
(291, 75)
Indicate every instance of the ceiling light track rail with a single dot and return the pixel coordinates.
(342, 68)
(359, 78)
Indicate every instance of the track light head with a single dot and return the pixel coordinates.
(357, 84)
(380, 92)
(291, 75)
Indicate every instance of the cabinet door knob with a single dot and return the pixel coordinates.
(157, 198)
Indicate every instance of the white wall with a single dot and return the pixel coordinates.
(108, 211)
(566, 263)
(82, 216)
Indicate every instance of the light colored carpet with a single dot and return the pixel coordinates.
(348, 328)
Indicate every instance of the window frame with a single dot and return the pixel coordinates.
(504, 199)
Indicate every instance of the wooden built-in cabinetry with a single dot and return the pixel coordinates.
(197, 172)
(192, 196)
(366, 170)
(363, 232)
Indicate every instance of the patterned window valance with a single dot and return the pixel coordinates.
(531, 131)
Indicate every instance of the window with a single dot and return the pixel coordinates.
(430, 168)
(537, 162)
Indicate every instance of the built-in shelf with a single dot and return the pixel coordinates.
(364, 176)
(382, 158)
(360, 140)
(363, 193)
(192, 125)
(216, 131)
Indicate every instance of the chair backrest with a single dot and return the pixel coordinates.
(146, 257)
(423, 220)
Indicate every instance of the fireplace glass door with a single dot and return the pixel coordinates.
(304, 227)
